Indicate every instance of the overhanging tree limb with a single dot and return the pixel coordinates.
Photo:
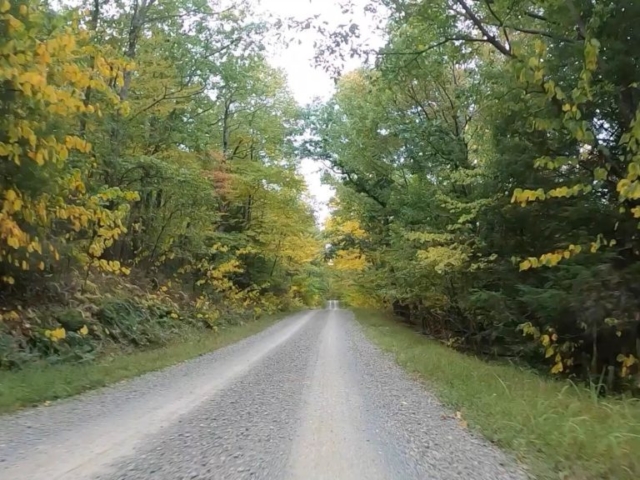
(483, 29)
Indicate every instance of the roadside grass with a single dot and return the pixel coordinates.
(36, 384)
(556, 429)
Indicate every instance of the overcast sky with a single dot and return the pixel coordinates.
(305, 81)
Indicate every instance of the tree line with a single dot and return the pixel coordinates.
(486, 168)
(147, 175)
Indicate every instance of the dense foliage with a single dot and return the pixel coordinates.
(147, 178)
(487, 178)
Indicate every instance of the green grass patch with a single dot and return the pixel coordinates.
(555, 428)
(36, 384)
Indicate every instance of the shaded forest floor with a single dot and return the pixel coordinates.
(556, 428)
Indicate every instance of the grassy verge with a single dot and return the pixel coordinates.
(36, 384)
(559, 430)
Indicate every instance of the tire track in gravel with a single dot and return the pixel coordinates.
(332, 440)
(76, 438)
(311, 398)
(364, 418)
(244, 432)
(419, 438)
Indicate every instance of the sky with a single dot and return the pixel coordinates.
(306, 81)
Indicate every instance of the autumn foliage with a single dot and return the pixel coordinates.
(491, 158)
(147, 180)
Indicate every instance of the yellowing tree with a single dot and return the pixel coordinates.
(46, 68)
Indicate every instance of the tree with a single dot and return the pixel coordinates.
(488, 156)
(144, 147)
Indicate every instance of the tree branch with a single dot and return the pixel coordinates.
(439, 44)
(483, 29)
(536, 16)
(533, 31)
(582, 27)
(500, 22)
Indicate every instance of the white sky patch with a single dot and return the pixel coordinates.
(306, 81)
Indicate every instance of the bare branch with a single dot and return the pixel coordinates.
(483, 29)
(500, 22)
(533, 31)
(536, 16)
(439, 44)
(492, 11)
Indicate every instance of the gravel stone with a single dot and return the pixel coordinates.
(309, 398)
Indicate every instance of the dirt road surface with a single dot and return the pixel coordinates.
(309, 398)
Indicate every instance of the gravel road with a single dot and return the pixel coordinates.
(309, 398)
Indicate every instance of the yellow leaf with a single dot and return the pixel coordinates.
(517, 193)
(5, 6)
(55, 335)
(526, 265)
(600, 174)
(549, 352)
(83, 331)
(557, 368)
(545, 340)
(10, 195)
